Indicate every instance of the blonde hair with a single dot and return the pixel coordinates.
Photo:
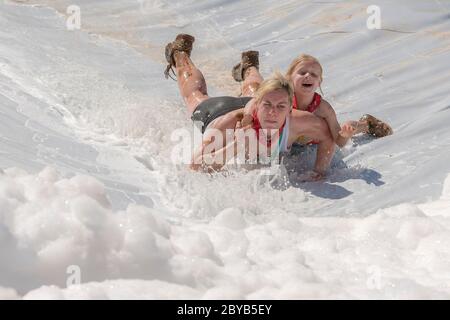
(304, 58)
(276, 82)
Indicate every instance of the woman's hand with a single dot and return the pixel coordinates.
(309, 176)
(245, 122)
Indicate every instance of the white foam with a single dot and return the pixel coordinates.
(8, 294)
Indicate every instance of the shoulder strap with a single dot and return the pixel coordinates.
(315, 103)
(285, 137)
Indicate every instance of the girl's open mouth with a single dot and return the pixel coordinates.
(307, 85)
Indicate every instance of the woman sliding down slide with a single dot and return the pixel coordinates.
(275, 126)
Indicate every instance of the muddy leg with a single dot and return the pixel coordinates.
(252, 80)
(190, 80)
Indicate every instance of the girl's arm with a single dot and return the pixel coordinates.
(314, 127)
(340, 135)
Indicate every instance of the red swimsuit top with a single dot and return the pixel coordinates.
(312, 107)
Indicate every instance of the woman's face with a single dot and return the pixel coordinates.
(273, 109)
(306, 77)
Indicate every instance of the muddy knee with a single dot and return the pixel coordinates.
(249, 89)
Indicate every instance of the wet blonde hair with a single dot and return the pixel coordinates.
(304, 58)
(276, 82)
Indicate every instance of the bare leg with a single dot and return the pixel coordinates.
(191, 82)
(252, 80)
(361, 126)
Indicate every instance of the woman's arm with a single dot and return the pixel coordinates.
(212, 154)
(247, 118)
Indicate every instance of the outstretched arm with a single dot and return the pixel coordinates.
(340, 135)
(313, 127)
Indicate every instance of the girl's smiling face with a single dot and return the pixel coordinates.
(306, 77)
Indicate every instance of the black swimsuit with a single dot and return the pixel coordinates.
(212, 108)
